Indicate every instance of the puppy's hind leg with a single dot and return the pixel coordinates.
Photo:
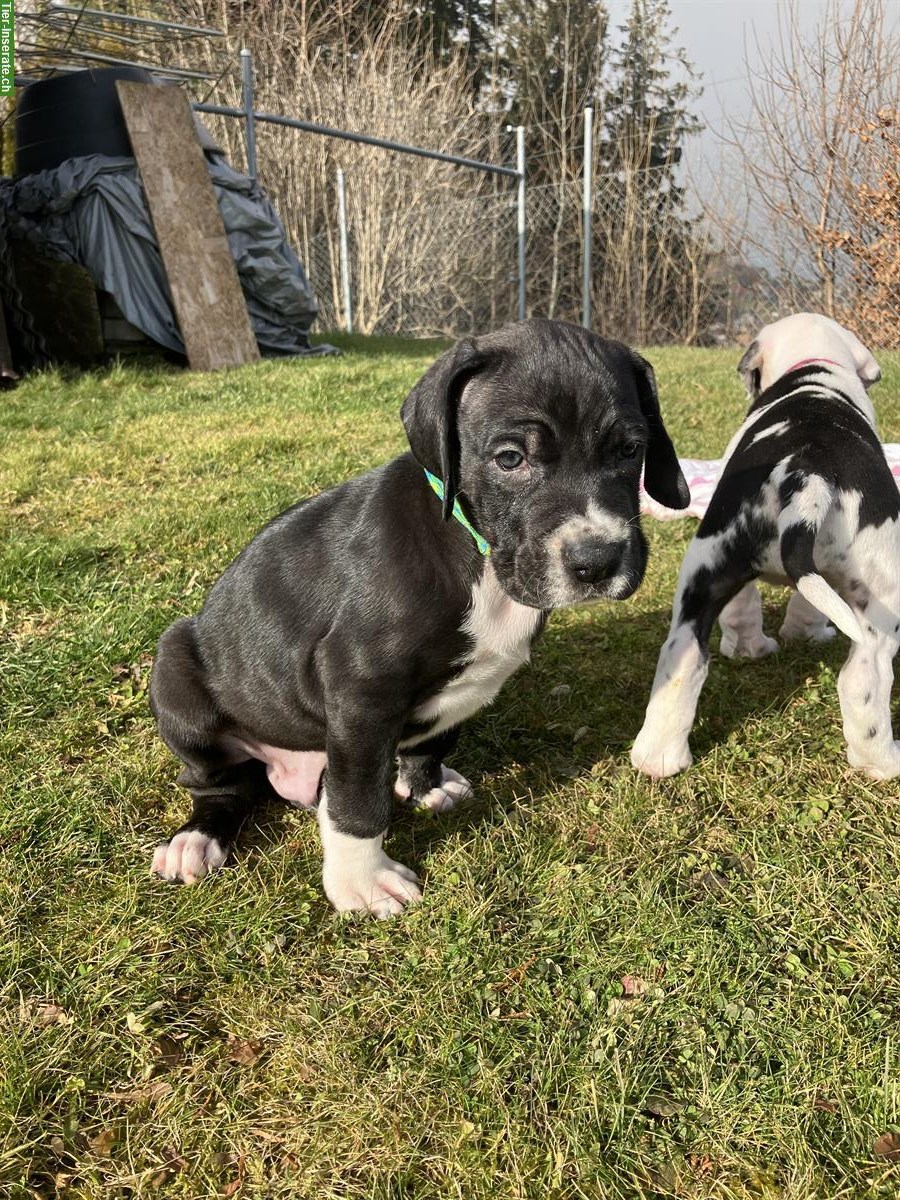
(425, 780)
(223, 789)
(222, 798)
(804, 622)
(661, 748)
(742, 628)
(864, 688)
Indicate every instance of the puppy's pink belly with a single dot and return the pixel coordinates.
(294, 774)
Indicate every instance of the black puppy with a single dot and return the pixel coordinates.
(366, 624)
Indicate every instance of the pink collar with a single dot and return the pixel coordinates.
(805, 362)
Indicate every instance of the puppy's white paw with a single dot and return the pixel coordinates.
(822, 633)
(660, 762)
(807, 633)
(452, 788)
(450, 791)
(887, 768)
(188, 857)
(382, 888)
(758, 646)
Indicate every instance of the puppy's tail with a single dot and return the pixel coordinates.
(799, 524)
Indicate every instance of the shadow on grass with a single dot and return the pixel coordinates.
(148, 367)
(532, 743)
(152, 367)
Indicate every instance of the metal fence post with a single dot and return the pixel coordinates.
(247, 86)
(520, 167)
(587, 205)
(345, 252)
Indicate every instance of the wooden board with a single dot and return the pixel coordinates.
(206, 293)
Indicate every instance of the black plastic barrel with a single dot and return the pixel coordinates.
(71, 116)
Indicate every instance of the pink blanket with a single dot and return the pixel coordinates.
(702, 475)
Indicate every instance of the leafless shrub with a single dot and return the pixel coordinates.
(801, 160)
(433, 248)
(409, 218)
(875, 249)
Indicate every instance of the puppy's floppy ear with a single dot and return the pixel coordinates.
(750, 368)
(429, 415)
(663, 479)
(867, 368)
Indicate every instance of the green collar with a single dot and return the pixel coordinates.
(458, 513)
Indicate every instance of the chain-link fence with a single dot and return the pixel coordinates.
(432, 250)
(432, 247)
(445, 266)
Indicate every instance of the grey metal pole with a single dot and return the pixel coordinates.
(345, 253)
(247, 82)
(520, 168)
(587, 206)
(78, 10)
(364, 139)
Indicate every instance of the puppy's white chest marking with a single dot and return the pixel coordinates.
(502, 632)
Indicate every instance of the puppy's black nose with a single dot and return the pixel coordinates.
(592, 562)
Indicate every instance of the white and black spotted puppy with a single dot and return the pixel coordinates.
(805, 498)
(364, 625)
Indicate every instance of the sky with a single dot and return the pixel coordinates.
(718, 36)
(715, 33)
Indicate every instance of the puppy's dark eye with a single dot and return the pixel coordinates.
(508, 460)
(629, 449)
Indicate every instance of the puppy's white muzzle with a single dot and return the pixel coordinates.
(592, 557)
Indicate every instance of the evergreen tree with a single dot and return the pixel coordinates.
(451, 24)
(646, 103)
(548, 66)
(549, 57)
(645, 246)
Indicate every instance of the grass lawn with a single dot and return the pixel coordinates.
(612, 989)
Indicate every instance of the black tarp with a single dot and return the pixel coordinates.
(92, 211)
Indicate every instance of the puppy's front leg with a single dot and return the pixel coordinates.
(354, 811)
(708, 580)
(802, 621)
(742, 626)
(425, 780)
